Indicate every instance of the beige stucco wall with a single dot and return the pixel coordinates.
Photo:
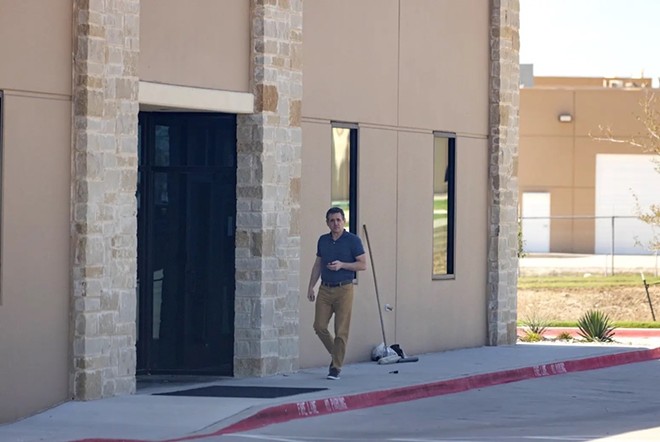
(593, 82)
(34, 313)
(398, 217)
(34, 287)
(417, 80)
(436, 303)
(36, 34)
(560, 158)
(385, 78)
(353, 75)
(444, 65)
(174, 51)
(386, 66)
(378, 156)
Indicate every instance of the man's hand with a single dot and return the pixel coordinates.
(311, 295)
(335, 265)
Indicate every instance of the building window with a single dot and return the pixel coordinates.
(344, 171)
(444, 180)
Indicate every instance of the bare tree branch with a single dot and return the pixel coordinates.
(648, 141)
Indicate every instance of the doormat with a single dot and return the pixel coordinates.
(240, 391)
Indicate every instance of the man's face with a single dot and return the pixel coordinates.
(336, 222)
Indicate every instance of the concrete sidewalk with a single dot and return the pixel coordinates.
(148, 417)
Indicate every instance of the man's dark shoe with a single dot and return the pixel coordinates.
(333, 374)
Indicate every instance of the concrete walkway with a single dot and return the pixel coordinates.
(145, 416)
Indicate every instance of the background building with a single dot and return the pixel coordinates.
(578, 193)
(167, 166)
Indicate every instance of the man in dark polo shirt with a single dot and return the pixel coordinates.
(339, 254)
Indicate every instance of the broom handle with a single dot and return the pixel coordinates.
(373, 269)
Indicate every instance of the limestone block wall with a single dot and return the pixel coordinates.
(104, 224)
(268, 195)
(503, 172)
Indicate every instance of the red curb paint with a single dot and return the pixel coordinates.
(286, 412)
(318, 407)
(109, 440)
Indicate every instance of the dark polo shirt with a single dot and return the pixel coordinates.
(346, 248)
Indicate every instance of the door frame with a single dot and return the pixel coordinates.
(146, 202)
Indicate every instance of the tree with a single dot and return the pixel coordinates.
(648, 141)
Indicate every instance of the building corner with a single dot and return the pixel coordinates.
(503, 172)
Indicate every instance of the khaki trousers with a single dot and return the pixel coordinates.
(337, 301)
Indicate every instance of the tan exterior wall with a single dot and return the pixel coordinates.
(560, 158)
(45, 30)
(381, 78)
(353, 75)
(377, 157)
(444, 85)
(400, 209)
(34, 308)
(384, 80)
(391, 66)
(35, 284)
(594, 82)
(174, 51)
(419, 298)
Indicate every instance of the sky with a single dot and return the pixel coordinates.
(591, 38)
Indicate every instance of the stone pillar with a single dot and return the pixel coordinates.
(104, 172)
(268, 196)
(503, 172)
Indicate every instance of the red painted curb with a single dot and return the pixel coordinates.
(318, 407)
(286, 412)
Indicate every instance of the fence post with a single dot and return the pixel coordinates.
(612, 247)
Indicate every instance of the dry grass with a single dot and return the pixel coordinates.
(620, 303)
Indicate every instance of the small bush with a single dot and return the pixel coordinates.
(535, 325)
(531, 336)
(564, 336)
(595, 325)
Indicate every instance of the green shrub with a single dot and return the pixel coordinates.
(564, 336)
(595, 325)
(521, 242)
(535, 325)
(531, 336)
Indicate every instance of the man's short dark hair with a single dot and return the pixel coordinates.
(334, 210)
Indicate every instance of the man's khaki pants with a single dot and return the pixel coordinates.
(337, 301)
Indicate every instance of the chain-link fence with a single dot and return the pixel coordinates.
(600, 243)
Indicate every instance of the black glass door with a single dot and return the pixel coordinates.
(186, 224)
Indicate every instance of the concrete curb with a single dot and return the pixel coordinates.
(297, 410)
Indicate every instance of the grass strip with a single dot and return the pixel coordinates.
(581, 282)
(620, 324)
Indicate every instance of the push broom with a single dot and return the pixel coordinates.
(385, 357)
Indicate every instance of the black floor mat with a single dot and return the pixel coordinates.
(240, 391)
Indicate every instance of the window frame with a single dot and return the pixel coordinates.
(353, 170)
(451, 206)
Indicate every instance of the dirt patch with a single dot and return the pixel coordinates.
(621, 303)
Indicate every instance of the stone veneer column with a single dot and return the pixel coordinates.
(104, 241)
(268, 196)
(503, 172)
